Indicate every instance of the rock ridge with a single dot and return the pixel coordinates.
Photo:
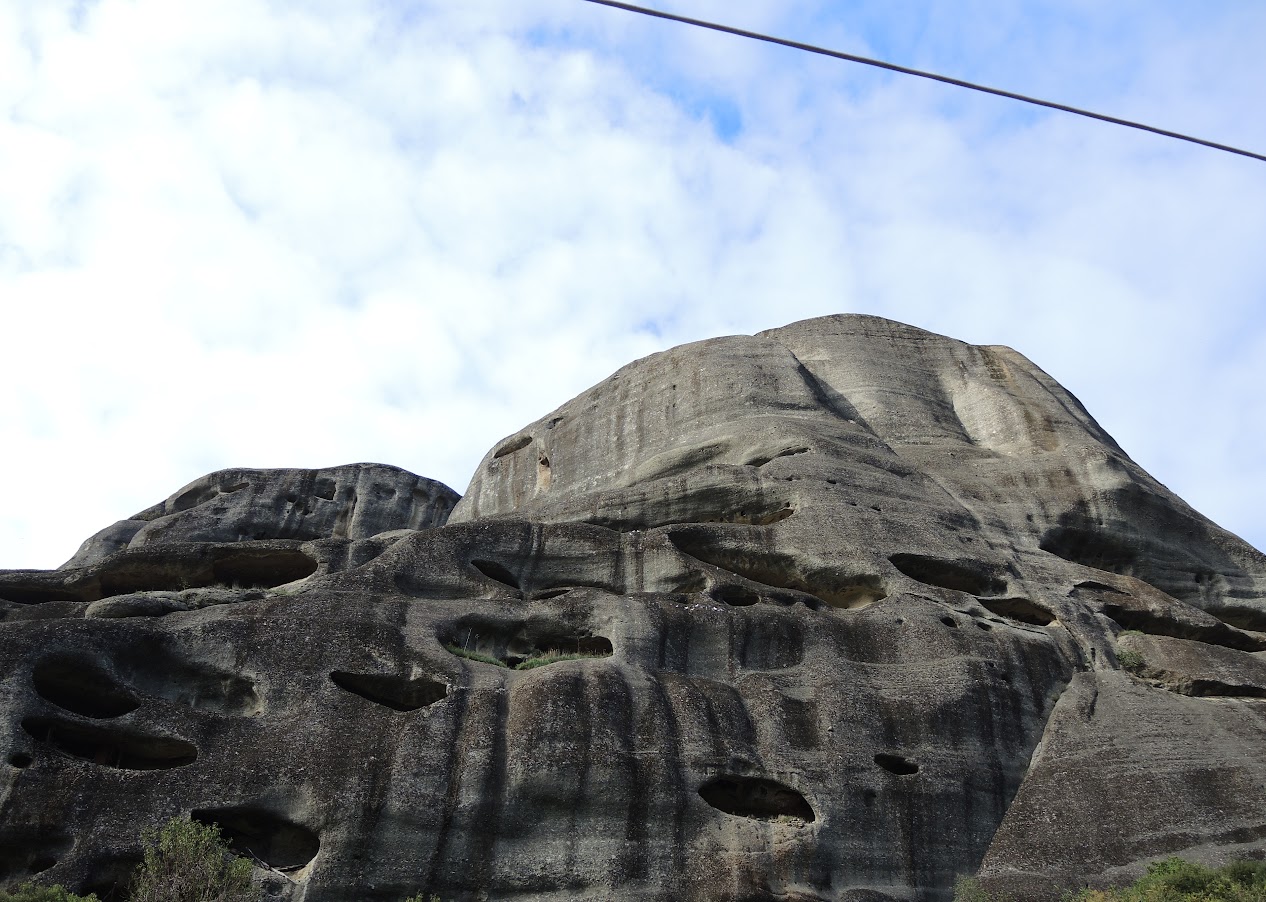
(837, 611)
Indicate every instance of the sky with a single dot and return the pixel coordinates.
(278, 233)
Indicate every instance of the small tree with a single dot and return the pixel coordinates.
(186, 861)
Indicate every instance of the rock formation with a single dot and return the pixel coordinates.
(839, 611)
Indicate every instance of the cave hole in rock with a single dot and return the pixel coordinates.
(1218, 689)
(1243, 618)
(395, 692)
(980, 624)
(836, 589)
(756, 797)
(26, 850)
(81, 687)
(257, 833)
(1156, 624)
(21, 760)
(497, 573)
(518, 644)
(972, 577)
(260, 568)
(542, 648)
(123, 749)
(19, 594)
(1091, 586)
(789, 452)
(897, 764)
(518, 443)
(949, 621)
(1020, 609)
(736, 596)
(236, 566)
(753, 515)
(549, 593)
(1090, 548)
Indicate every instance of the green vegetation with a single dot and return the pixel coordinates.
(1171, 880)
(186, 861)
(1130, 660)
(968, 889)
(1175, 880)
(29, 892)
(473, 656)
(553, 656)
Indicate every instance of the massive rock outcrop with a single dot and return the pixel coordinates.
(834, 612)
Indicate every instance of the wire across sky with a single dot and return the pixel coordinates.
(945, 79)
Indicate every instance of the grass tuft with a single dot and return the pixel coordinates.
(474, 655)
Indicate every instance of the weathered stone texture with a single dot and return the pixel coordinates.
(850, 597)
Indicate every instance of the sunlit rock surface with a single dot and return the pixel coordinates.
(851, 609)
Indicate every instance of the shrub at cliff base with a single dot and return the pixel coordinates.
(1172, 880)
(187, 861)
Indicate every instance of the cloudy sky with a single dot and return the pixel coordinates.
(267, 233)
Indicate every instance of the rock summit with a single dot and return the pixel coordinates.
(839, 611)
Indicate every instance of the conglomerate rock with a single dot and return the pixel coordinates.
(839, 611)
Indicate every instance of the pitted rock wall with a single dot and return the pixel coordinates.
(833, 612)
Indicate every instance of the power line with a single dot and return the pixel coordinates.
(904, 70)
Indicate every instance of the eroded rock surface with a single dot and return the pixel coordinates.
(353, 502)
(835, 612)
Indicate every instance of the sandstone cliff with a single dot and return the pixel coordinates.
(846, 605)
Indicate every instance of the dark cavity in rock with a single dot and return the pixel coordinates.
(498, 573)
(81, 687)
(971, 577)
(395, 692)
(262, 569)
(123, 749)
(737, 596)
(897, 764)
(25, 850)
(261, 834)
(1020, 609)
(1090, 548)
(515, 444)
(836, 589)
(756, 797)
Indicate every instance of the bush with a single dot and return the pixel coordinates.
(29, 892)
(1130, 660)
(1175, 880)
(186, 861)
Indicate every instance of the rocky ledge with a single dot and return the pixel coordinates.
(839, 611)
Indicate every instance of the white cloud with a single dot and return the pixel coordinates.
(269, 235)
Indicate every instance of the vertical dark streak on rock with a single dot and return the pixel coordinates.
(673, 762)
(582, 734)
(487, 813)
(454, 767)
(633, 863)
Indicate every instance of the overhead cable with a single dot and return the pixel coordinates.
(905, 70)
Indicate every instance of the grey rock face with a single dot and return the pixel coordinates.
(353, 502)
(833, 612)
